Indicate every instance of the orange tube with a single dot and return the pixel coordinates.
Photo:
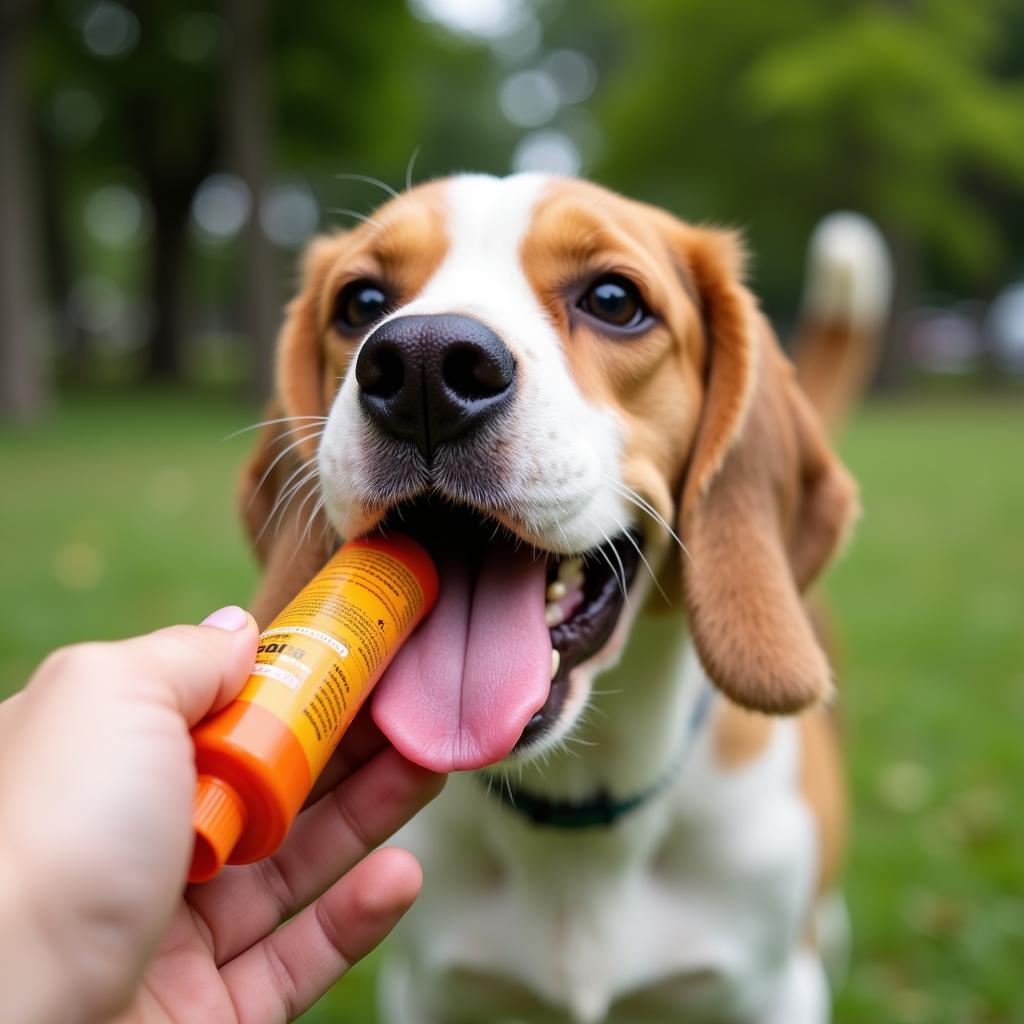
(316, 663)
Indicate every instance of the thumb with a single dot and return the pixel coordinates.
(202, 667)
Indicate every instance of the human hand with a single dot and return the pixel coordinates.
(96, 789)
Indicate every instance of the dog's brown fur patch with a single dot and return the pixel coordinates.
(740, 736)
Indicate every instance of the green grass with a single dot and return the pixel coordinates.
(118, 517)
(931, 599)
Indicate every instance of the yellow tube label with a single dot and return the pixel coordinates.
(319, 659)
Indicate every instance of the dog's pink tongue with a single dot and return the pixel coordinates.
(460, 692)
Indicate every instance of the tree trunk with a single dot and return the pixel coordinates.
(72, 349)
(174, 141)
(165, 358)
(247, 128)
(23, 386)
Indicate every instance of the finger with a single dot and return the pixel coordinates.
(10, 721)
(201, 668)
(8, 710)
(246, 903)
(282, 976)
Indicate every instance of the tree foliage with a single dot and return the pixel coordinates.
(770, 115)
(761, 115)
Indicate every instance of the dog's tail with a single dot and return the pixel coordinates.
(847, 294)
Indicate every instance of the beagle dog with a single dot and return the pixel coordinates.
(574, 402)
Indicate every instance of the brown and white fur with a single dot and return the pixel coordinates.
(707, 902)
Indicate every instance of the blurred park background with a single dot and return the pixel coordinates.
(163, 163)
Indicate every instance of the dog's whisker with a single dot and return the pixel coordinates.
(291, 478)
(565, 539)
(647, 565)
(315, 432)
(563, 747)
(270, 423)
(641, 502)
(282, 492)
(299, 513)
(579, 740)
(622, 569)
(645, 506)
(311, 477)
(409, 167)
(620, 577)
(325, 528)
(639, 550)
(307, 533)
(585, 721)
(288, 432)
(352, 213)
(369, 181)
(288, 489)
(277, 520)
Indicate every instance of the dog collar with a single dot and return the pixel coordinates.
(601, 809)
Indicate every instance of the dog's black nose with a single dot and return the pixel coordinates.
(430, 379)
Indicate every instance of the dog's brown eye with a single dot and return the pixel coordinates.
(359, 304)
(615, 300)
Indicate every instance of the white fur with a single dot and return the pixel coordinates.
(563, 479)
(690, 908)
(849, 272)
(563, 446)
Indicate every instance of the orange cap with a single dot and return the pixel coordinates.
(218, 818)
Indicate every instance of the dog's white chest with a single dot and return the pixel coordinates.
(692, 904)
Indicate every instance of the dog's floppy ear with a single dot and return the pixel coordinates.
(765, 502)
(298, 396)
(288, 546)
(301, 388)
(289, 553)
(257, 487)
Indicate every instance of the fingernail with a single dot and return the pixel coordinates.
(231, 618)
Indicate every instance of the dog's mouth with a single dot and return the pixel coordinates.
(488, 671)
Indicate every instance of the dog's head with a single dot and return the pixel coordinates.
(551, 386)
